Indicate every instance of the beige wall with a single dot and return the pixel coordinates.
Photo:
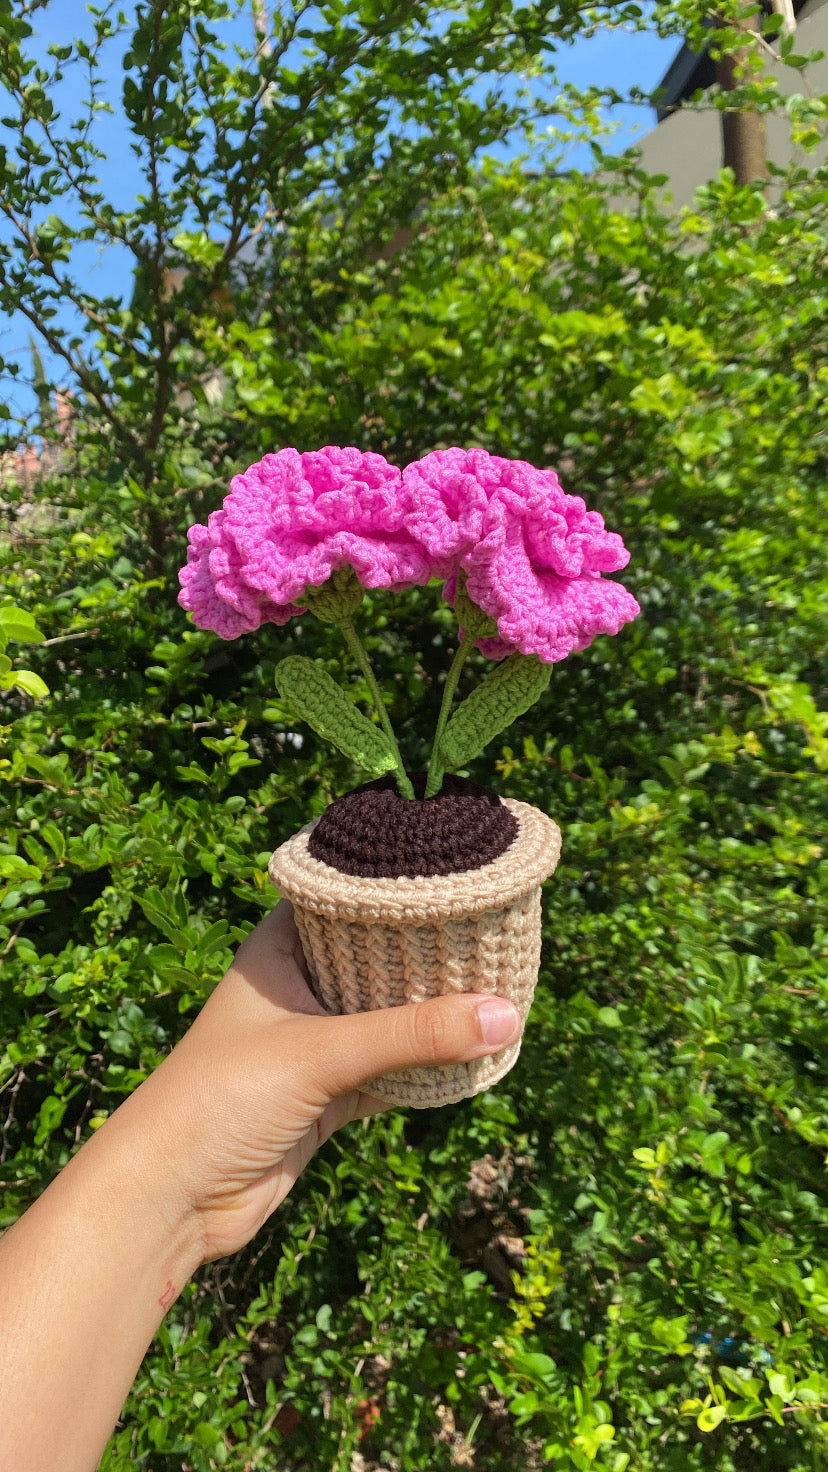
(688, 146)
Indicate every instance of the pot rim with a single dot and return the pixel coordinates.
(314, 885)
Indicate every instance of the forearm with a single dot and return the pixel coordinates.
(85, 1279)
(186, 1171)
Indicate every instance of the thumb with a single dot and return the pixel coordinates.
(346, 1052)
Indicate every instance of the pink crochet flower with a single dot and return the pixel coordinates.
(533, 556)
(287, 523)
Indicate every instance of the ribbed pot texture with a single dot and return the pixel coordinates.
(372, 943)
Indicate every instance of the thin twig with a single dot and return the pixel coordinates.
(64, 638)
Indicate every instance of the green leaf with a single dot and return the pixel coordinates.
(50, 1116)
(179, 976)
(206, 1435)
(18, 624)
(162, 923)
(507, 691)
(215, 938)
(31, 683)
(193, 773)
(539, 1367)
(55, 839)
(524, 1404)
(645, 1156)
(198, 247)
(12, 866)
(315, 696)
(609, 1017)
(710, 1417)
(776, 1406)
(239, 759)
(603, 1433)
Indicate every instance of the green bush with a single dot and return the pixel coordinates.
(615, 1258)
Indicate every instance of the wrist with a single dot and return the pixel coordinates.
(130, 1167)
(86, 1276)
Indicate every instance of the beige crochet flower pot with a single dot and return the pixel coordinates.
(373, 943)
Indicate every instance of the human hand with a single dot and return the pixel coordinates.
(187, 1170)
(264, 1076)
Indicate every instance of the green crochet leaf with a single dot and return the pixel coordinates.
(314, 696)
(507, 691)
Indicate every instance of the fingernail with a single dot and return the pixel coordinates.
(499, 1020)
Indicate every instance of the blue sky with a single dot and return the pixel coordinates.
(620, 59)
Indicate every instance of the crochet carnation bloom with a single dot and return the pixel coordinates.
(533, 555)
(287, 523)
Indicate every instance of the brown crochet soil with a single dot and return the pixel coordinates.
(375, 833)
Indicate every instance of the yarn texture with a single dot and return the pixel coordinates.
(288, 522)
(382, 942)
(415, 892)
(533, 556)
(315, 696)
(376, 833)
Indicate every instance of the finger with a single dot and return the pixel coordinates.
(343, 1053)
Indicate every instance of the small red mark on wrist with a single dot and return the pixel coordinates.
(168, 1296)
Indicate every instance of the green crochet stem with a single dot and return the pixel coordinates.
(434, 779)
(360, 654)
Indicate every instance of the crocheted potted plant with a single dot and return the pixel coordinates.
(413, 886)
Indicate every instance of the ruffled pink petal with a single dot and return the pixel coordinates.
(571, 540)
(288, 522)
(533, 554)
(295, 518)
(538, 611)
(445, 501)
(205, 585)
